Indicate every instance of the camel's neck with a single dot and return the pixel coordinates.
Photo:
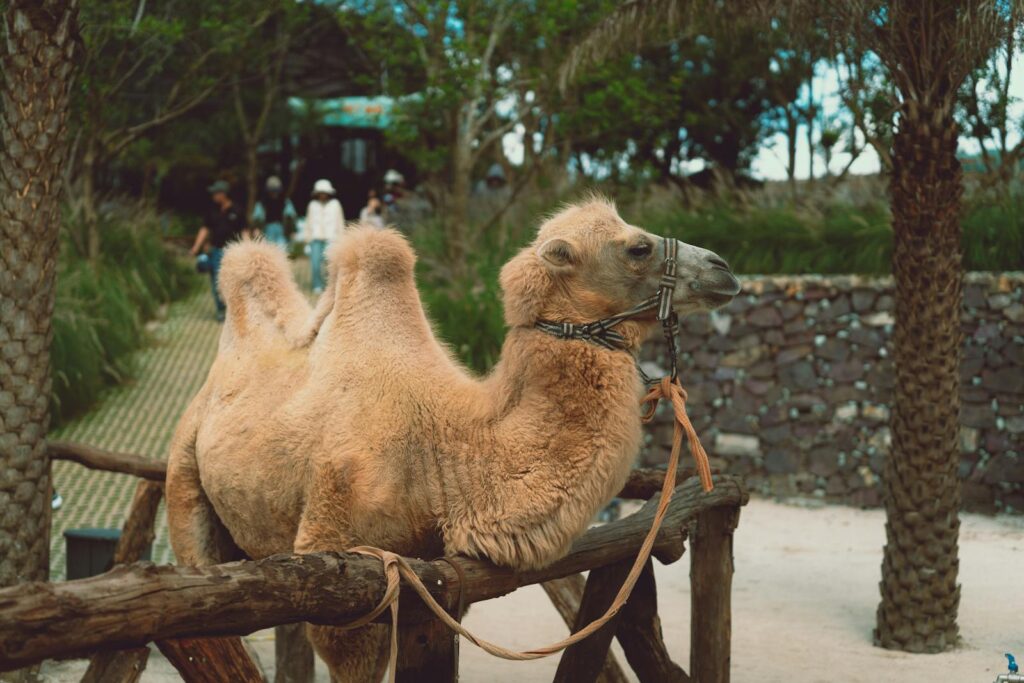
(554, 435)
(541, 372)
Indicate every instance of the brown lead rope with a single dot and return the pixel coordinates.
(397, 568)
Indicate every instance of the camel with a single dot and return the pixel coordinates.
(320, 429)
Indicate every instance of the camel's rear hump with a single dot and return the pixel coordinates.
(261, 295)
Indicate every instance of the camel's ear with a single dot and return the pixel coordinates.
(559, 254)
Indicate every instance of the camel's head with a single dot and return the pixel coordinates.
(587, 263)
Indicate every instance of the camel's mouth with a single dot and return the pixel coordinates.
(717, 287)
(706, 281)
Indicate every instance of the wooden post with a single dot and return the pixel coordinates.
(293, 654)
(429, 652)
(139, 529)
(566, 593)
(122, 666)
(711, 568)
(582, 662)
(639, 633)
(212, 660)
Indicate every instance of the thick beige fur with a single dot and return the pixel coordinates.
(350, 424)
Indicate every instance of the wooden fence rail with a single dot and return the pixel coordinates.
(135, 604)
(643, 482)
(428, 652)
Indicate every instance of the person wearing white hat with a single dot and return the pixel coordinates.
(274, 213)
(324, 221)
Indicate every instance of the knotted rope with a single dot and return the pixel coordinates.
(397, 567)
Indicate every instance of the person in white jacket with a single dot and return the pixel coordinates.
(324, 221)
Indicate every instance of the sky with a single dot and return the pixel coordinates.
(770, 162)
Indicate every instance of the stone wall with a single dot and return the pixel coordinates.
(790, 387)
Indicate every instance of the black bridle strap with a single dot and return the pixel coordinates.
(600, 332)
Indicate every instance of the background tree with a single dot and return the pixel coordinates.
(258, 88)
(868, 95)
(985, 103)
(146, 65)
(38, 63)
(455, 120)
(713, 95)
(928, 50)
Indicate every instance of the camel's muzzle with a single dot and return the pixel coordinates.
(716, 283)
(705, 279)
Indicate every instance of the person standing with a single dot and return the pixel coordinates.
(223, 224)
(373, 212)
(324, 221)
(404, 208)
(275, 213)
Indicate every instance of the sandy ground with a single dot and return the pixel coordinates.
(804, 599)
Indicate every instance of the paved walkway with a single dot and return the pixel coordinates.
(138, 417)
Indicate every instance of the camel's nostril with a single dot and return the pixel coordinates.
(718, 262)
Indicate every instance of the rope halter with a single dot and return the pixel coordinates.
(600, 332)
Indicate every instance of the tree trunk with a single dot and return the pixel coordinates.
(252, 170)
(792, 130)
(37, 70)
(920, 595)
(457, 214)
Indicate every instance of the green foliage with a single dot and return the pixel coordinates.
(466, 310)
(101, 307)
(714, 94)
(994, 232)
(838, 239)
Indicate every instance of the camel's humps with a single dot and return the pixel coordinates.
(352, 425)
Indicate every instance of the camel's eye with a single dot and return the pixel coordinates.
(640, 250)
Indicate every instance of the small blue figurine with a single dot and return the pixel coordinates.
(1011, 663)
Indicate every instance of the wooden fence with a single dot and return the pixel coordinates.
(195, 615)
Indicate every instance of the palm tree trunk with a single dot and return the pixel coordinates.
(37, 69)
(920, 595)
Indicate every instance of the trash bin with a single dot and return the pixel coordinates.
(91, 551)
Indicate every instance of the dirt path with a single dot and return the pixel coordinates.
(804, 600)
(806, 584)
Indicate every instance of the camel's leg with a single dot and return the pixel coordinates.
(196, 533)
(352, 655)
(199, 538)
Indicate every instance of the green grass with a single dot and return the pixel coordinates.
(101, 308)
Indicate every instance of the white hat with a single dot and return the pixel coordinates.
(393, 177)
(323, 186)
(274, 183)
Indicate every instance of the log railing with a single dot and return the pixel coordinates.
(643, 482)
(181, 607)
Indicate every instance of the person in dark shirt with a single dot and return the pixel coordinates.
(274, 213)
(224, 223)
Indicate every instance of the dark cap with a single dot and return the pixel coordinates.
(219, 186)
